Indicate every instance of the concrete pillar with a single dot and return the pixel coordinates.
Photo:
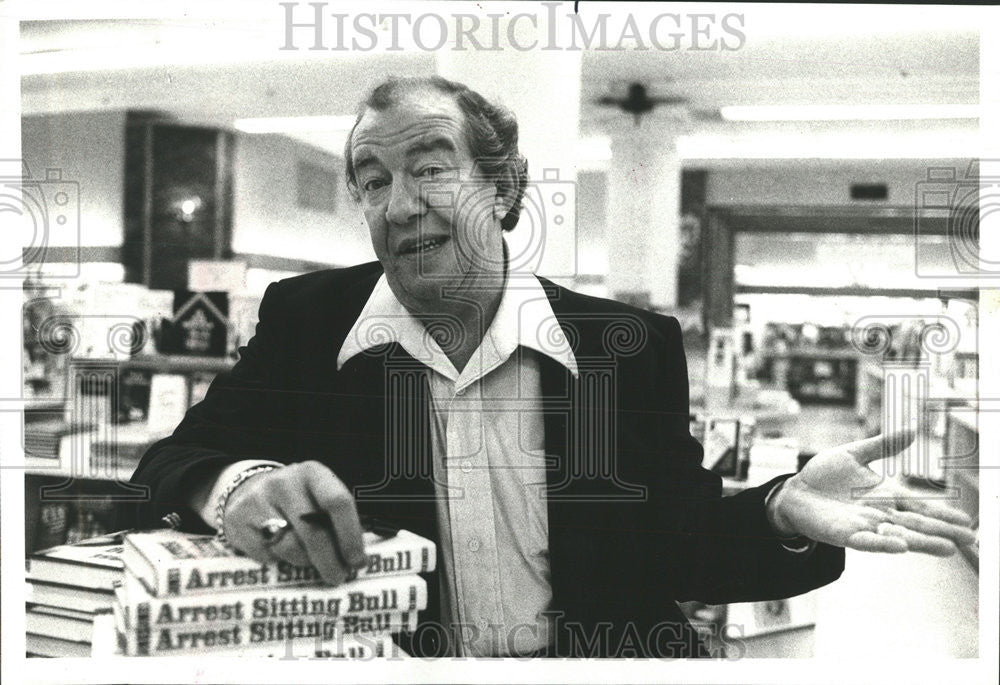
(644, 234)
(542, 88)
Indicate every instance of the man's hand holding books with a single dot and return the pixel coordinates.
(302, 514)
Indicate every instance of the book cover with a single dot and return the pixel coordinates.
(95, 566)
(265, 619)
(48, 528)
(200, 383)
(171, 563)
(168, 401)
(133, 400)
(94, 518)
(721, 441)
(69, 597)
(65, 624)
(200, 325)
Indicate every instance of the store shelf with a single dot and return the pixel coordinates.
(848, 291)
(47, 405)
(178, 364)
(95, 463)
(811, 353)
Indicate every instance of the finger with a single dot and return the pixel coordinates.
(331, 495)
(960, 535)
(290, 548)
(933, 508)
(322, 552)
(242, 527)
(919, 542)
(290, 495)
(879, 447)
(867, 541)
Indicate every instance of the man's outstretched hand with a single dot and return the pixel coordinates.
(839, 500)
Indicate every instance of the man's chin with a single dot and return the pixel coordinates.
(423, 291)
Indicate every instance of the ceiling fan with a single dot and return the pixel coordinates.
(638, 102)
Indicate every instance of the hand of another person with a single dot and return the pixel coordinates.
(286, 494)
(839, 500)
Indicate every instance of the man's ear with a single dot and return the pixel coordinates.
(353, 191)
(506, 193)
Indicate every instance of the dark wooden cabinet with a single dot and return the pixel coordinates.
(178, 199)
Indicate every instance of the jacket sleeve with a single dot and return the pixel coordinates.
(714, 549)
(244, 416)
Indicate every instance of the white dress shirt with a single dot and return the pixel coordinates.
(488, 443)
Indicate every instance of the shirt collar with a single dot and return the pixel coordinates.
(524, 318)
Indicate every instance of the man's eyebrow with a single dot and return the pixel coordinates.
(431, 145)
(364, 159)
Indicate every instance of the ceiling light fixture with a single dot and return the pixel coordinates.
(340, 122)
(847, 112)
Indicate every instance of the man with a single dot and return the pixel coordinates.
(539, 436)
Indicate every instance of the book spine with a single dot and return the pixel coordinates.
(403, 593)
(203, 576)
(403, 560)
(143, 629)
(267, 634)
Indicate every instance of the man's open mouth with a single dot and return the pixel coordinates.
(413, 246)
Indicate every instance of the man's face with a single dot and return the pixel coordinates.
(433, 224)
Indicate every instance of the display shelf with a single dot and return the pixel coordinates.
(43, 405)
(121, 473)
(94, 463)
(810, 353)
(178, 363)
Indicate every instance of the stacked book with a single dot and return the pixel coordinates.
(70, 593)
(184, 593)
(56, 438)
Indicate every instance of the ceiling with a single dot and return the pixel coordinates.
(214, 70)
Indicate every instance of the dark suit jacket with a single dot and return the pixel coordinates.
(635, 522)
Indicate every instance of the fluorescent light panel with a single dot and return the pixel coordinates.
(799, 146)
(342, 122)
(847, 112)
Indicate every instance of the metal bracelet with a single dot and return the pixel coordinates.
(220, 506)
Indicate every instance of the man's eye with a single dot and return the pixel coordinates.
(432, 171)
(373, 184)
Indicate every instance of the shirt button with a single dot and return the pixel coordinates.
(484, 623)
(466, 466)
(460, 391)
(474, 544)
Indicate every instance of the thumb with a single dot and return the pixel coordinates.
(881, 446)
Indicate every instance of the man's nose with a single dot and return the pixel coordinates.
(405, 203)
